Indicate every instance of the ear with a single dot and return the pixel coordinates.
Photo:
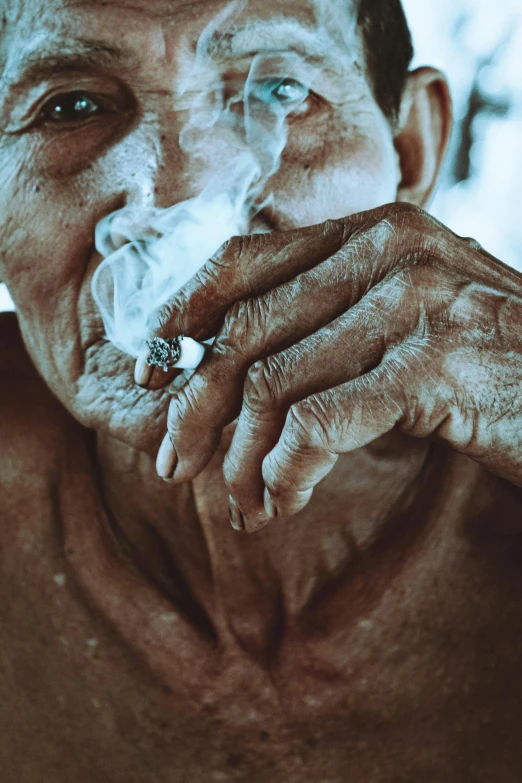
(423, 134)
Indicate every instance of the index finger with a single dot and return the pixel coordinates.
(245, 267)
(248, 267)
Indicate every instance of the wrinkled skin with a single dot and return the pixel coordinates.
(405, 326)
(78, 172)
(372, 632)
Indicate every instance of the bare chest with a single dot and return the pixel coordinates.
(406, 669)
(412, 673)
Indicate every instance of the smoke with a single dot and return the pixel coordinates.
(149, 256)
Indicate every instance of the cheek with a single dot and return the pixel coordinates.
(48, 222)
(45, 261)
(349, 172)
(43, 244)
(47, 249)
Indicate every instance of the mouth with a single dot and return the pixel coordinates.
(108, 397)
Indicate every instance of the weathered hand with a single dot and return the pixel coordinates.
(331, 336)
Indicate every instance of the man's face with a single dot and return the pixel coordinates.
(90, 120)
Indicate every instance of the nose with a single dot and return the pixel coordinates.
(150, 166)
(194, 150)
(173, 178)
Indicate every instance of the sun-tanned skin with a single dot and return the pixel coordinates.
(371, 629)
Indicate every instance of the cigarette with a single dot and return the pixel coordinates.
(181, 353)
(192, 354)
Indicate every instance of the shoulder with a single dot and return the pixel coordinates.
(32, 421)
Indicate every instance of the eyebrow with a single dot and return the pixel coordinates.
(275, 35)
(62, 56)
(254, 37)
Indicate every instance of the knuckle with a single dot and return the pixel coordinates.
(163, 322)
(228, 253)
(244, 326)
(309, 423)
(235, 327)
(278, 477)
(238, 248)
(184, 408)
(417, 235)
(250, 245)
(396, 216)
(412, 210)
(473, 244)
(404, 214)
(265, 385)
(341, 228)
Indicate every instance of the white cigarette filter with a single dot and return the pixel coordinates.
(192, 354)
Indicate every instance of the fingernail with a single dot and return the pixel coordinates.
(167, 459)
(237, 520)
(270, 507)
(143, 372)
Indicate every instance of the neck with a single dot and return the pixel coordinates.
(240, 587)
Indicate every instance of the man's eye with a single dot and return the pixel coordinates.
(287, 92)
(71, 107)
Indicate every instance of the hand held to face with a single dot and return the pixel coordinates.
(328, 338)
(149, 256)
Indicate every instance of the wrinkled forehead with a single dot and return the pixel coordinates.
(174, 9)
(311, 26)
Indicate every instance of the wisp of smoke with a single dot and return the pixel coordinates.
(145, 267)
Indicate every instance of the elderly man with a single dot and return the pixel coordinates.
(359, 411)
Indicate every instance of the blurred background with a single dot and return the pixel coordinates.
(478, 43)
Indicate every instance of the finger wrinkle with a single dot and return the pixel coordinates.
(245, 326)
(308, 423)
(265, 386)
(185, 411)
